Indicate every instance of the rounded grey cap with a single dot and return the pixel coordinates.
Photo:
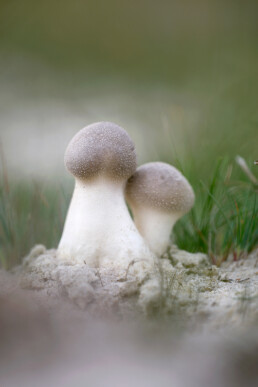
(102, 148)
(161, 186)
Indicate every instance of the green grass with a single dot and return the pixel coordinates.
(30, 214)
(223, 221)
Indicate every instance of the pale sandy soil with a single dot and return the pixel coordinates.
(189, 287)
(74, 326)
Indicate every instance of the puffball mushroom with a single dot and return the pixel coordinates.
(158, 195)
(98, 229)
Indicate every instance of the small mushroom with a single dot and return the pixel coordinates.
(98, 229)
(158, 195)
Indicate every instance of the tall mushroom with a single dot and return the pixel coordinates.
(98, 229)
(158, 195)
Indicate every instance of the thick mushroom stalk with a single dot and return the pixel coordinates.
(98, 229)
(158, 195)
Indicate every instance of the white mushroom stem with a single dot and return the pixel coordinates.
(98, 229)
(155, 227)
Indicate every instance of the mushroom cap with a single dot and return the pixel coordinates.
(102, 148)
(161, 186)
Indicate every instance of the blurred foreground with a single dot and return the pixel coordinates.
(40, 348)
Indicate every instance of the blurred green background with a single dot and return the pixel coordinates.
(180, 76)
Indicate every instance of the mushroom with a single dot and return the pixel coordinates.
(98, 229)
(158, 195)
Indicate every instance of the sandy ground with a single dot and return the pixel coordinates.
(190, 287)
(56, 329)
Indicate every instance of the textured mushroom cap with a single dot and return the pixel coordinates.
(102, 148)
(161, 186)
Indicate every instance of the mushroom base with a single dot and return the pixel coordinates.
(99, 231)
